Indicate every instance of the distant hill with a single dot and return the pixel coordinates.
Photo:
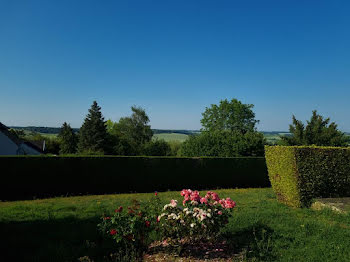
(41, 129)
(56, 130)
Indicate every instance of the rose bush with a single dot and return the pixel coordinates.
(130, 228)
(199, 218)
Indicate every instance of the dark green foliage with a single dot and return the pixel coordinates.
(224, 144)
(175, 147)
(55, 176)
(228, 131)
(300, 173)
(93, 135)
(229, 115)
(68, 140)
(157, 148)
(17, 133)
(318, 131)
(131, 134)
(52, 146)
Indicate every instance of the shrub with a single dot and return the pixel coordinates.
(224, 144)
(157, 148)
(200, 218)
(129, 229)
(300, 173)
(26, 177)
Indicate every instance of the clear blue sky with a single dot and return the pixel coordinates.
(173, 58)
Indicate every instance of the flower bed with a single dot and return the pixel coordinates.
(198, 219)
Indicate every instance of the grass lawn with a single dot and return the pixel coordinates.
(171, 137)
(64, 229)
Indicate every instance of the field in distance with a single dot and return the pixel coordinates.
(171, 137)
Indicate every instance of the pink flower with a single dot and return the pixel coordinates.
(186, 192)
(173, 203)
(220, 213)
(195, 196)
(204, 200)
(212, 195)
(229, 203)
(222, 202)
(215, 197)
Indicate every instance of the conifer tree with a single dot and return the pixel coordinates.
(93, 137)
(318, 131)
(68, 140)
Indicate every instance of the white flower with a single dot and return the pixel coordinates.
(192, 224)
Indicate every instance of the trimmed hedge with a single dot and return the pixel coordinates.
(300, 173)
(28, 177)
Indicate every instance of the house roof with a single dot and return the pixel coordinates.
(34, 146)
(5, 130)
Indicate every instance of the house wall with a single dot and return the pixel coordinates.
(7, 146)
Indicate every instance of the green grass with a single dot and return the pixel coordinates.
(64, 229)
(171, 137)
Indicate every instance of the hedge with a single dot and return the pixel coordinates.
(28, 177)
(300, 173)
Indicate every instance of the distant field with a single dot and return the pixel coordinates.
(171, 137)
(48, 135)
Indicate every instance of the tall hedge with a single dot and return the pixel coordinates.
(300, 173)
(27, 177)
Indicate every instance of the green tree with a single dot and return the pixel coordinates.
(318, 131)
(229, 115)
(93, 137)
(157, 148)
(131, 133)
(224, 144)
(228, 131)
(68, 140)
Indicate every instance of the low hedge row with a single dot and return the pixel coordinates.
(37, 177)
(300, 173)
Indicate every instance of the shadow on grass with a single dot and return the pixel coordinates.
(52, 240)
(251, 243)
(256, 241)
(71, 238)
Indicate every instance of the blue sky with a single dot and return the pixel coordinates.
(173, 58)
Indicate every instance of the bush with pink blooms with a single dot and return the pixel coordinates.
(199, 218)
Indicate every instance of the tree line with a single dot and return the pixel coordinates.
(228, 130)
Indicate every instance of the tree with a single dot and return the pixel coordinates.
(229, 115)
(131, 133)
(318, 131)
(224, 144)
(228, 131)
(93, 135)
(68, 140)
(157, 148)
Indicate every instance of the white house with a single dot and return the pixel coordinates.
(12, 145)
